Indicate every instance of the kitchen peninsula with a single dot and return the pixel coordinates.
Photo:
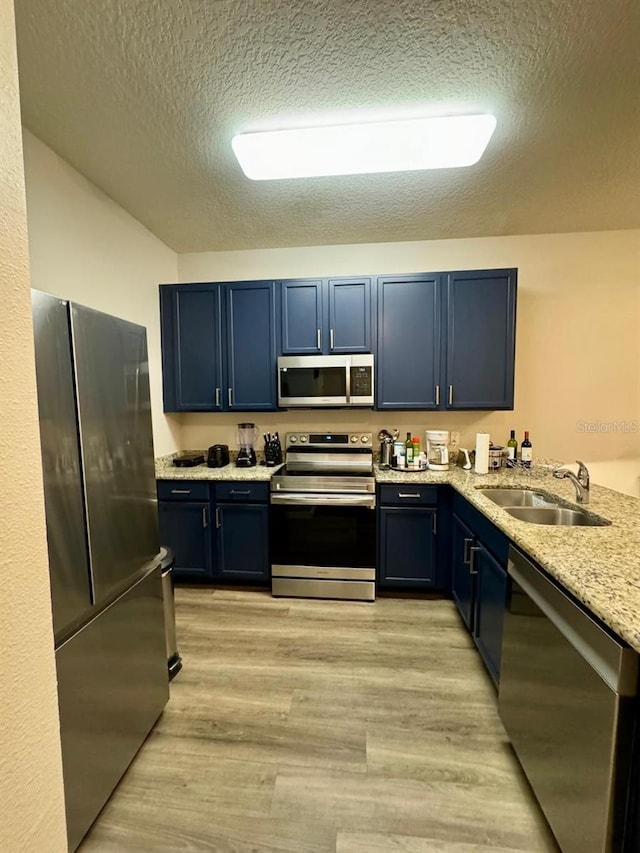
(600, 566)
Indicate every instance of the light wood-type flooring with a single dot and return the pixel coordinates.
(314, 726)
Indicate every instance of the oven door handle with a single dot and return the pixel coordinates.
(304, 499)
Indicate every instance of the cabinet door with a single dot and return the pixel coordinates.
(185, 528)
(242, 542)
(406, 549)
(349, 315)
(481, 311)
(250, 346)
(302, 317)
(408, 364)
(191, 347)
(462, 581)
(490, 608)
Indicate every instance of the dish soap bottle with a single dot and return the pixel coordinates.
(512, 450)
(526, 451)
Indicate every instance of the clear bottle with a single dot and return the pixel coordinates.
(526, 451)
(409, 450)
(512, 450)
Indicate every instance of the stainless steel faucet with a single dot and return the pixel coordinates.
(581, 482)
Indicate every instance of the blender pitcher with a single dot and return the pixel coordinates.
(247, 435)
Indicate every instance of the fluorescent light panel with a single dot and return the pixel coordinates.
(442, 142)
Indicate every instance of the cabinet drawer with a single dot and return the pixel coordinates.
(183, 490)
(242, 491)
(408, 494)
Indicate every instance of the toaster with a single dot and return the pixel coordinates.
(218, 456)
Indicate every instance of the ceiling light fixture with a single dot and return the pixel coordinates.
(439, 142)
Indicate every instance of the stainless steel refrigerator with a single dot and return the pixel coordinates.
(101, 511)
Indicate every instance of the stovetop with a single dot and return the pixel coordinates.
(326, 462)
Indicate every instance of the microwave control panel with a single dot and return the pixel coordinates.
(361, 379)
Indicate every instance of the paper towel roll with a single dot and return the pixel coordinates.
(482, 453)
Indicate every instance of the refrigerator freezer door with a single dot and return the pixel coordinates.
(66, 530)
(112, 686)
(114, 411)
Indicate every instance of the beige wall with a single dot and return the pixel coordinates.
(578, 333)
(83, 246)
(578, 339)
(31, 796)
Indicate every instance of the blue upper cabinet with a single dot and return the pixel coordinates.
(480, 348)
(191, 347)
(302, 317)
(349, 315)
(219, 346)
(408, 362)
(250, 346)
(325, 316)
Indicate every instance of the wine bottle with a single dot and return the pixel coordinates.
(409, 450)
(512, 450)
(526, 452)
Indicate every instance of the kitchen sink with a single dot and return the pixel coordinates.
(517, 497)
(556, 515)
(540, 508)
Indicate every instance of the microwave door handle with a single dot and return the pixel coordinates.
(348, 386)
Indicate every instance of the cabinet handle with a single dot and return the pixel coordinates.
(437, 395)
(331, 339)
(238, 492)
(434, 524)
(472, 560)
(217, 396)
(451, 395)
(180, 491)
(230, 397)
(465, 553)
(218, 521)
(318, 339)
(408, 495)
(205, 523)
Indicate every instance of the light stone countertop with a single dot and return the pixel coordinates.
(166, 470)
(600, 566)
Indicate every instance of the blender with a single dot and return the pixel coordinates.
(247, 435)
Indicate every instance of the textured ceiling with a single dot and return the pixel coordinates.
(143, 97)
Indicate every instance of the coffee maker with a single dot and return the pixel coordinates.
(247, 435)
(438, 449)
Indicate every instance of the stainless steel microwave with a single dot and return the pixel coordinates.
(311, 381)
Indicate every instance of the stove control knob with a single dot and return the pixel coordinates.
(303, 438)
(354, 438)
(365, 439)
(293, 439)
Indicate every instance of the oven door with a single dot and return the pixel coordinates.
(327, 530)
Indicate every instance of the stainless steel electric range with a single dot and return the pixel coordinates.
(323, 520)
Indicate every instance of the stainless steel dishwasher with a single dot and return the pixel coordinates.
(567, 687)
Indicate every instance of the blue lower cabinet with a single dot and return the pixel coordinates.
(242, 542)
(185, 527)
(491, 598)
(462, 580)
(406, 547)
